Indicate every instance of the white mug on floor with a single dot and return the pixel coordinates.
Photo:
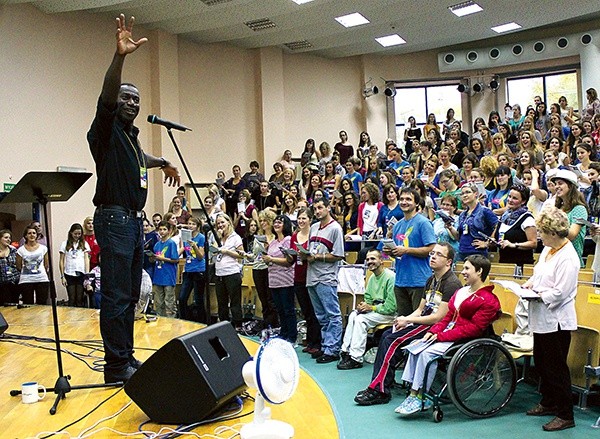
(30, 392)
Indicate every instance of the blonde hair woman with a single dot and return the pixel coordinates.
(228, 280)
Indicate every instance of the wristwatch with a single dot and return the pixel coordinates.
(164, 162)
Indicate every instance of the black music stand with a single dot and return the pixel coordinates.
(44, 188)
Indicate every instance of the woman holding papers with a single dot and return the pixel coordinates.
(552, 317)
(516, 232)
(471, 310)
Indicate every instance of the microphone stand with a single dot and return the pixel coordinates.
(189, 176)
(43, 188)
(208, 220)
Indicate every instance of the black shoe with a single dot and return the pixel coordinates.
(360, 393)
(349, 363)
(317, 354)
(326, 358)
(344, 355)
(119, 376)
(135, 363)
(372, 397)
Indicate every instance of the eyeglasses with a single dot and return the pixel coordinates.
(438, 254)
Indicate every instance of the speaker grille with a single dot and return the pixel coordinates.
(472, 56)
(517, 49)
(562, 43)
(449, 58)
(539, 47)
(586, 39)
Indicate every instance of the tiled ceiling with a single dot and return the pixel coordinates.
(424, 24)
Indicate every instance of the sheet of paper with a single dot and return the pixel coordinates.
(418, 346)
(515, 288)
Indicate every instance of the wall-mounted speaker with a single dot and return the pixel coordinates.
(191, 376)
(472, 56)
(517, 50)
(586, 39)
(562, 43)
(534, 50)
(538, 47)
(449, 58)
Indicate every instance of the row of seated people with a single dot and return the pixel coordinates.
(448, 312)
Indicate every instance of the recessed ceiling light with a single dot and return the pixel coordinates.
(506, 27)
(390, 40)
(301, 2)
(352, 20)
(465, 8)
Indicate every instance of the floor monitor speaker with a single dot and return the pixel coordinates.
(191, 377)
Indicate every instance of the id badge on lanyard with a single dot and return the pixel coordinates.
(144, 177)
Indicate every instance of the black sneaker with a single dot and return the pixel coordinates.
(372, 397)
(123, 376)
(344, 355)
(349, 363)
(326, 358)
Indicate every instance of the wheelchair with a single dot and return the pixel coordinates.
(481, 377)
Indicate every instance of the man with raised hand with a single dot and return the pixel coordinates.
(121, 192)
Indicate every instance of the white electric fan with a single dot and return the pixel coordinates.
(274, 372)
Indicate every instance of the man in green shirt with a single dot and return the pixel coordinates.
(379, 307)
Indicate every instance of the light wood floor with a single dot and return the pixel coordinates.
(308, 410)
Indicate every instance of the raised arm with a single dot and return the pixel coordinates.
(125, 46)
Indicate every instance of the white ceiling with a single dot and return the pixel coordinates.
(424, 24)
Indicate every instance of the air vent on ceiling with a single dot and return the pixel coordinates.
(214, 2)
(260, 24)
(298, 45)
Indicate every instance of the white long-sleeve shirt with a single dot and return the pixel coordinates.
(556, 280)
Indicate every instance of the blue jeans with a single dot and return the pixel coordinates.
(120, 236)
(327, 309)
(192, 280)
(286, 308)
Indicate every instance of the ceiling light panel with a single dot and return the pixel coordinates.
(506, 27)
(465, 8)
(301, 2)
(351, 20)
(390, 40)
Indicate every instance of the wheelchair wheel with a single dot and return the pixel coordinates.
(481, 378)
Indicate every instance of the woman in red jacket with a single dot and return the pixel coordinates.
(471, 310)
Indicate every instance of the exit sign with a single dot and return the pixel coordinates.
(9, 186)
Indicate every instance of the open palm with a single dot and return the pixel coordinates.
(125, 43)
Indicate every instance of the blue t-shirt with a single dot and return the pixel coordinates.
(355, 178)
(193, 264)
(165, 273)
(412, 271)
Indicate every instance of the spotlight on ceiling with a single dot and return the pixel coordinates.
(370, 89)
(478, 87)
(390, 91)
(494, 84)
(463, 88)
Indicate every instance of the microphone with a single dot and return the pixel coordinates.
(153, 118)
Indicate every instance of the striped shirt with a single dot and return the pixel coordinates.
(279, 276)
